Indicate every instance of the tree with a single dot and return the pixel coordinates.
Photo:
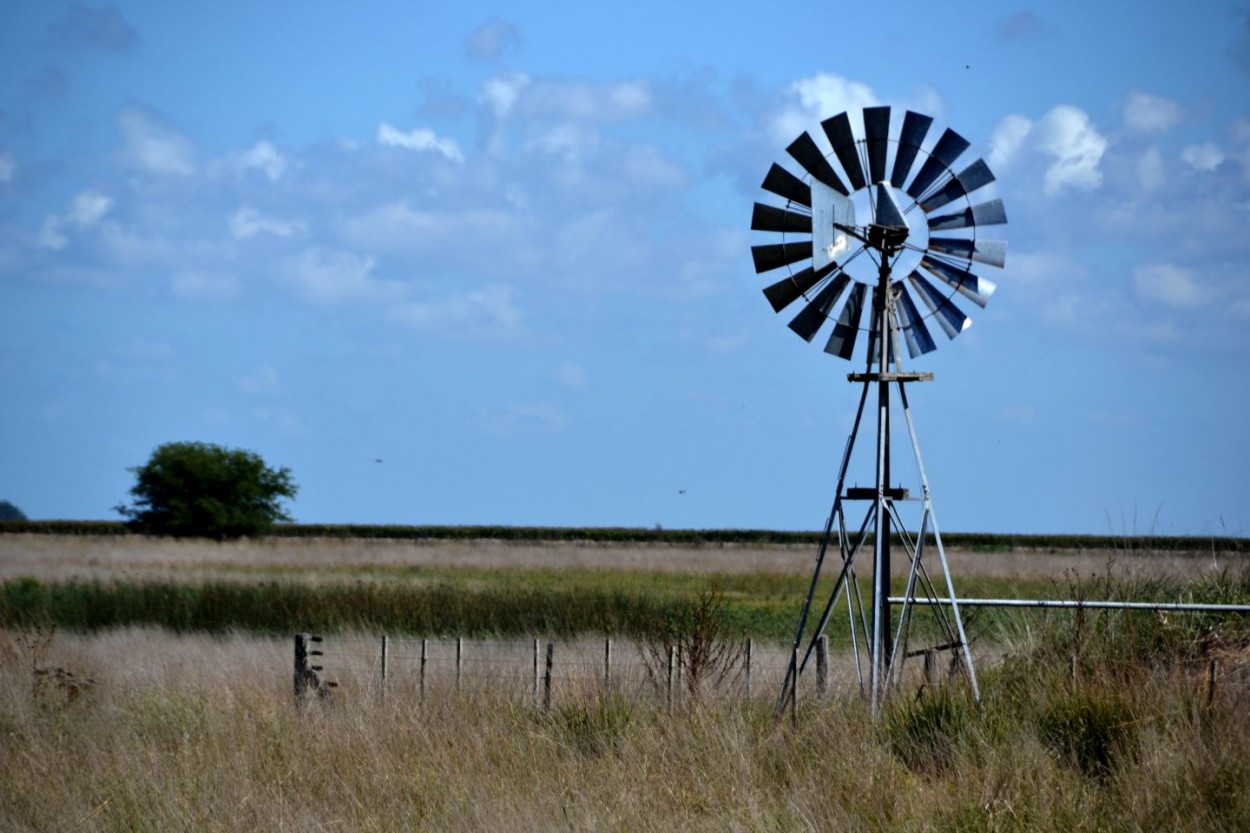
(9, 512)
(202, 490)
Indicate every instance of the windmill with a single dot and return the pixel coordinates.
(906, 266)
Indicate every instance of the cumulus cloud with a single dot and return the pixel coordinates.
(262, 157)
(86, 210)
(1147, 113)
(1169, 284)
(492, 40)
(419, 140)
(248, 222)
(563, 100)
(1205, 157)
(1007, 139)
(1069, 137)
(196, 285)
(153, 146)
(500, 93)
(327, 275)
(811, 100)
(101, 28)
(8, 167)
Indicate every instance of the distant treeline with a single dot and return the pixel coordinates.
(988, 542)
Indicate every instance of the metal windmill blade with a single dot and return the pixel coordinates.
(919, 209)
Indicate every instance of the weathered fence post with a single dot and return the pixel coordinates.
(547, 676)
(822, 666)
(306, 679)
(1213, 673)
(459, 661)
(607, 665)
(386, 651)
(930, 667)
(425, 657)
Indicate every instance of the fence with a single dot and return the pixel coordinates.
(545, 672)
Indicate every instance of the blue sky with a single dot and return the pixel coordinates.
(504, 248)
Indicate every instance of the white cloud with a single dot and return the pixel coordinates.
(328, 275)
(263, 157)
(1147, 113)
(85, 210)
(248, 222)
(817, 98)
(583, 101)
(1068, 135)
(1150, 173)
(88, 208)
(152, 146)
(500, 93)
(195, 285)
(419, 140)
(1006, 140)
(1171, 285)
(8, 166)
(571, 375)
(1205, 157)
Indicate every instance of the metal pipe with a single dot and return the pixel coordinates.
(1073, 603)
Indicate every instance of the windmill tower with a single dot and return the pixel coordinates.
(920, 241)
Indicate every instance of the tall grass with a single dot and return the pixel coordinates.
(200, 733)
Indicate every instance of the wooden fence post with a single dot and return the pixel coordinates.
(672, 671)
(425, 656)
(547, 676)
(459, 661)
(386, 651)
(306, 679)
(607, 665)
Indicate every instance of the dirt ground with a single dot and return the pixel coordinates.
(60, 558)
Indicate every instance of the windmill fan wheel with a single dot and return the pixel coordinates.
(924, 226)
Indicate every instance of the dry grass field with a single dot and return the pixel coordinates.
(1086, 725)
(60, 558)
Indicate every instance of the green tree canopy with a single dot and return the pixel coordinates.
(201, 490)
(9, 512)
